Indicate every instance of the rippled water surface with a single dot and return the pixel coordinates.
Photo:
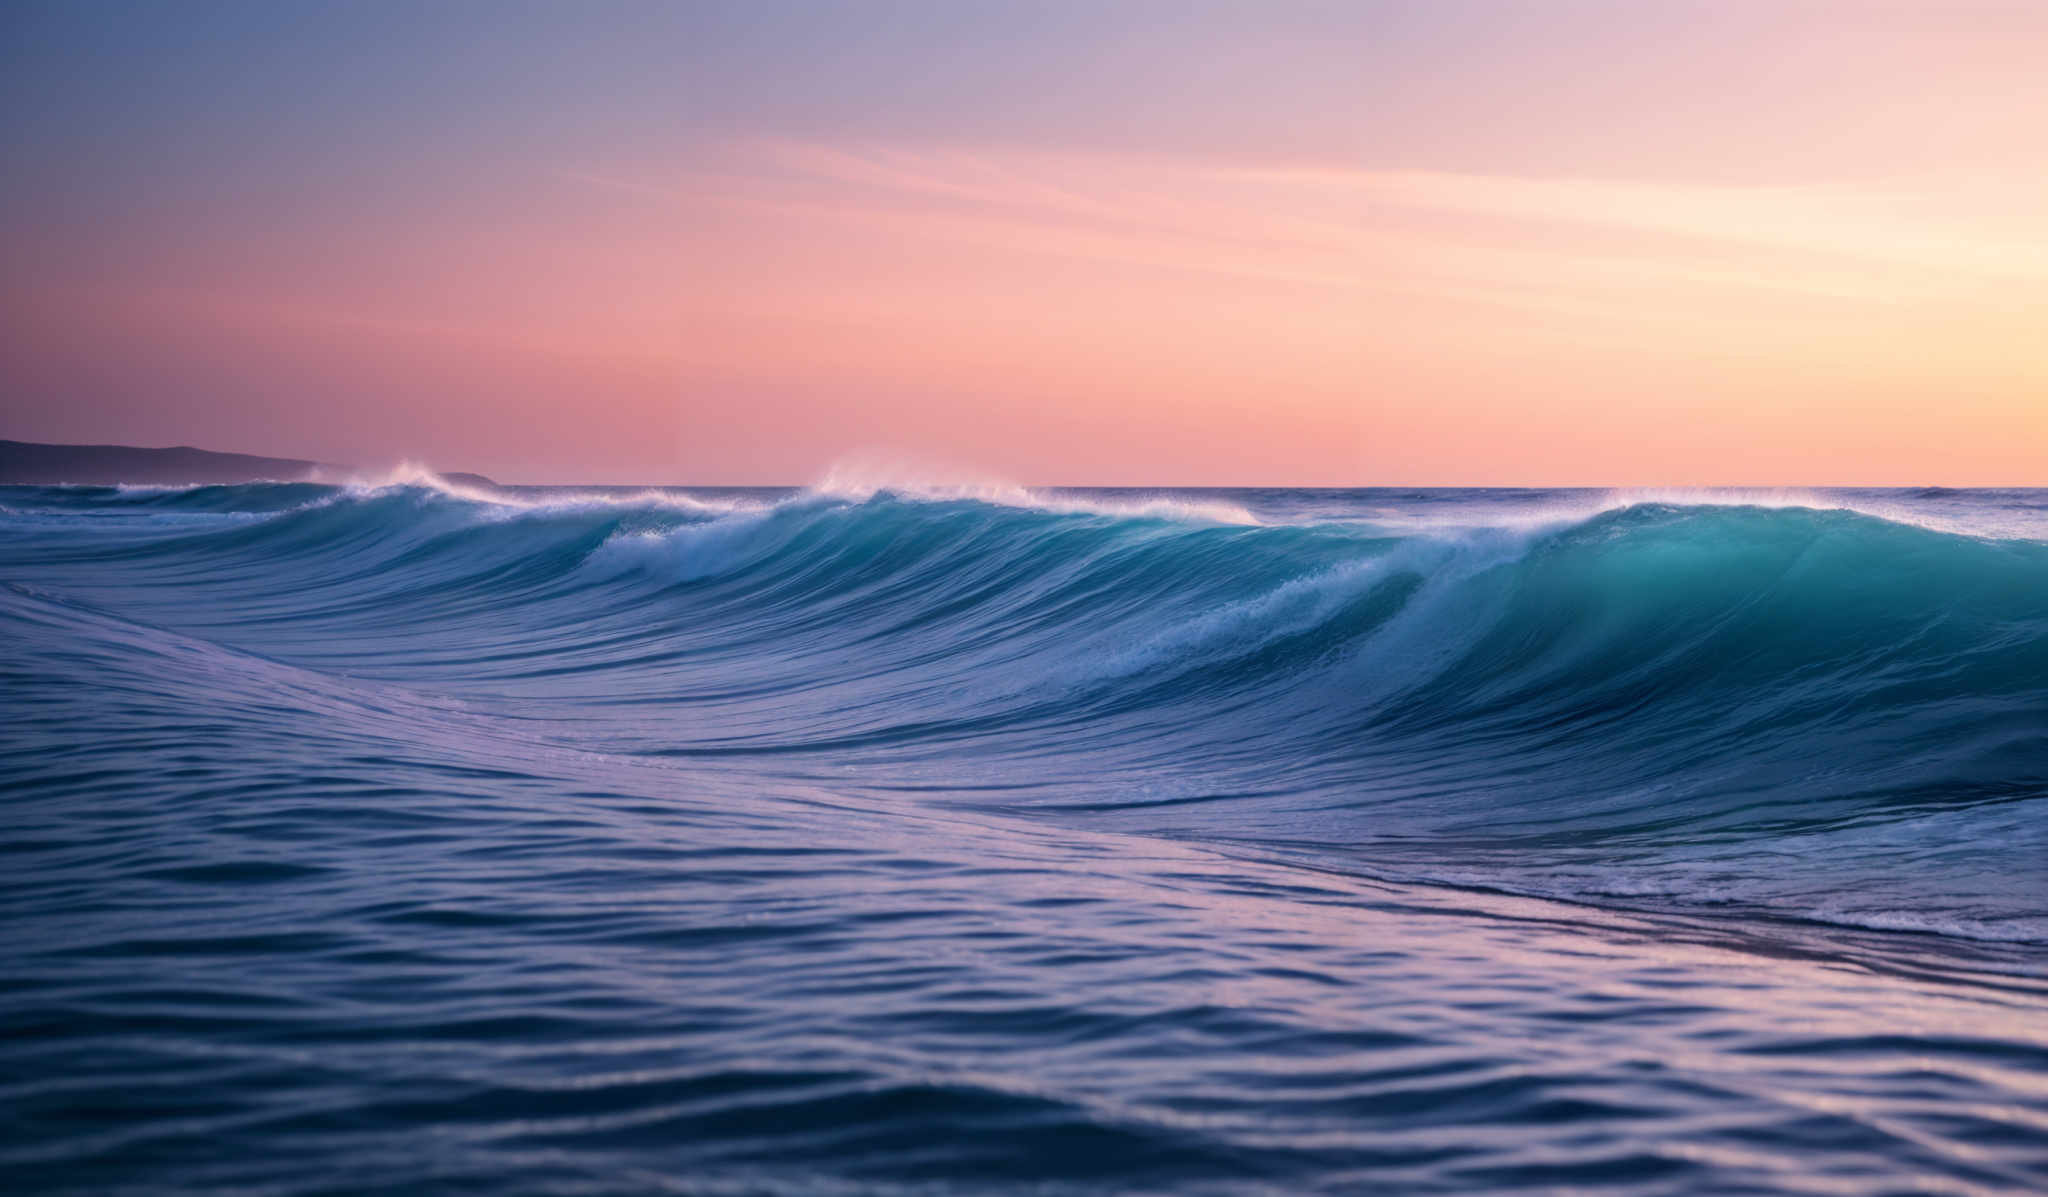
(403, 837)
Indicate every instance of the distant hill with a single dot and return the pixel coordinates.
(23, 463)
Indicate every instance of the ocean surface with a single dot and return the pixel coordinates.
(398, 837)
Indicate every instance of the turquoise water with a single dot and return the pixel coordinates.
(407, 838)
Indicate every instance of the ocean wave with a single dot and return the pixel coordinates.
(1640, 680)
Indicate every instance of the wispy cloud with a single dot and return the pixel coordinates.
(1988, 228)
(1553, 243)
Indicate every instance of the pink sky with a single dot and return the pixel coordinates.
(1807, 249)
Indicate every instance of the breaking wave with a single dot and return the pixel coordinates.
(1595, 696)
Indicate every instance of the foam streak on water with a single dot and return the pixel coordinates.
(891, 837)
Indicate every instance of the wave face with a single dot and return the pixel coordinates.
(876, 836)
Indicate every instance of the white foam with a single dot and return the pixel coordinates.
(1564, 510)
(858, 479)
(418, 476)
(406, 475)
(2015, 525)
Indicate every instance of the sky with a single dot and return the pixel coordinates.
(1134, 242)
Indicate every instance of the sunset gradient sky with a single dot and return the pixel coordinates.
(1140, 242)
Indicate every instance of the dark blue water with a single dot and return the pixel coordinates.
(400, 838)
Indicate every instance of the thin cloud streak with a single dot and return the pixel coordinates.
(1385, 231)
